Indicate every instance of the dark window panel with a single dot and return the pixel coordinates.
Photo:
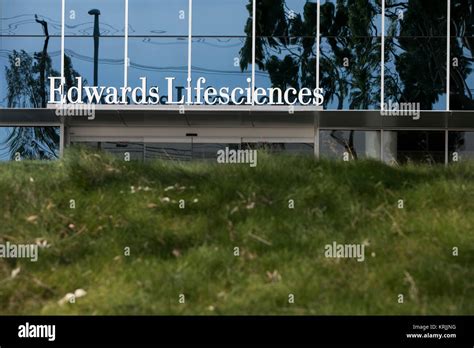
(415, 18)
(351, 18)
(462, 73)
(418, 147)
(285, 18)
(415, 72)
(462, 18)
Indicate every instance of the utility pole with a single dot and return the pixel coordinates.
(96, 14)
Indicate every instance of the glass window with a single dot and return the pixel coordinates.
(462, 73)
(350, 72)
(95, 43)
(414, 146)
(462, 18)
(415, 50)
(156, 59)
(29, 143)
(209, 151)
(348, 145)
(218, 61)
(124, 150)
(169, 151)
(415, 18)
(82, 16)
(292, 63)
(285, 44)
(286, 18)
(415, 72)
(23, 17)
(221, 18)
(350, 54)
(80, 61)
(461, 146)
(282, 148)
(158, 17)
(351, 18)
(25, 65)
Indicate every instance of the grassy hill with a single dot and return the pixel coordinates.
(191, 251)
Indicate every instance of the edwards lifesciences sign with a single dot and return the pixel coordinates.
(176, 95)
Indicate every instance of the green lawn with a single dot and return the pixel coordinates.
(190, 251)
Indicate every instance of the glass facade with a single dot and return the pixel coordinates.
(96, 47)
(188, 150)
(362, 53)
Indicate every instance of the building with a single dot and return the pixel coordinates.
(397, 77)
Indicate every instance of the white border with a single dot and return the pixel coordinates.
(126, 58)
(254, 31)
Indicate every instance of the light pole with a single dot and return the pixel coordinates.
(96, 14)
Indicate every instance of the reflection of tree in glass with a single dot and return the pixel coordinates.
(27, 87)
(416, 45)
(462, 48)
(348, 27)
(280, 30)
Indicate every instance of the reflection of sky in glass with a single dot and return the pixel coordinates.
(111, 69)
(80, 22)
(218, 17)
(213, 58)
(164, 17)
(156, 59)
(17, 17)
(218, 60)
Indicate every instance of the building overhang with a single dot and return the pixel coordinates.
(243, 116)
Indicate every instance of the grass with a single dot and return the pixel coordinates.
(190, 251)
